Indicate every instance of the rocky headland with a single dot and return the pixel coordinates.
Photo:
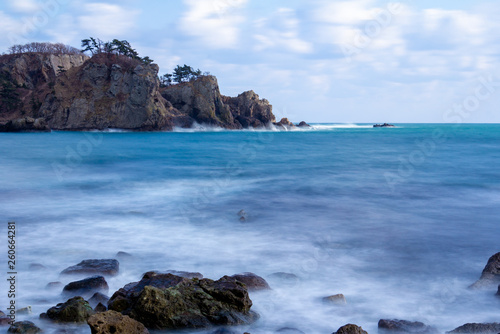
(73, 92)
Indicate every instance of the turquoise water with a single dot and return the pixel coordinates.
(400, 220)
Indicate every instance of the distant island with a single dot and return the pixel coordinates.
(46, 86)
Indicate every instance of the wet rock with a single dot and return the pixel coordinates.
(303, 125)
(113, 322)
(285, 123)
(75, 310)
(24, 327)
(4, 320)
(24, 311)
(53, 285)
(185, 274)
(404, 326)
(491, 274)
(337, 299)
(289, 330)
(98, 298)
(350, 329)
(477, 328)
(100, 308)
(107, 267)
(252, 281)
(86, 286)
(37, 267)
(162, 301)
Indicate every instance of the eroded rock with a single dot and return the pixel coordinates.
(75, 310)
(404, 326)
(112, 322)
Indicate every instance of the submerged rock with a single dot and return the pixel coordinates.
(24, 327)
(350, 329)
(477, 328)
(24, 311)
(37, 267)
(75, 310)
(289, 330)
(338, 299)
(162, 301)
(98, 298)
(252, 281)
(491, 274)
(86, 286)
(53, 285)
(404, 326)
(112, 322)
(107, 267)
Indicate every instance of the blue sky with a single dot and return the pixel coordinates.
(320, 61)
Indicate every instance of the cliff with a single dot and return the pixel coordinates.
(74, 92)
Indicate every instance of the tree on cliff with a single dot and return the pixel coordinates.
(185, 73)
(122, 48)
(50, 48)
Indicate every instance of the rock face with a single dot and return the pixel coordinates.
(404, 326)
(75, 92)
(86, 286)
(107, 267)
(474, 328)
(162, 301)
(350, 329)
(24, 327)
(75, 310)
(252, 281)
(113, 322)
(491, 274)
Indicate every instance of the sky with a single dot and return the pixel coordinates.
(336, 61)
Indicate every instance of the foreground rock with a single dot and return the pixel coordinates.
(491, 274)
(252, 281)
(350, 329)
(338, 299)
(113, 322)
(24, 327)
(162, 301)
(107, 267)
(476, 328)
(86, 286)
(404, 326)
(75, 310)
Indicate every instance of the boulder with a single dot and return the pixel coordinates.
(166, 301)
(185, 274)
(98, 298)
(107, 267)
(86, 286)
(24, 311)
(5, 321)
(24, 327)
(252, 281)
(491, 274)
(285, 123)
(123, 255)
(477, 328)
(350, 329)
(337, 299)
(303, 125)
(112, 322)
(404, 326)
(75, 310)
(100, 308)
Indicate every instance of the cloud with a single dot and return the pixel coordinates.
(216, 23)
(281, 31)
(24, 6)
(107, 21)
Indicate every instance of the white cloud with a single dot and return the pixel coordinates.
(216, 23)
(24, 6)
(107, 21)
(281, 31)
(345, 12)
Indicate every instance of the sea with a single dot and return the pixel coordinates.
(399, 220)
